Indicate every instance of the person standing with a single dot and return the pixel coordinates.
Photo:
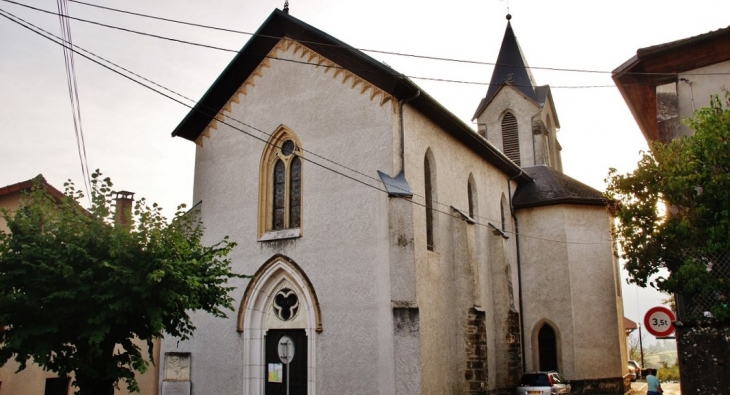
(654, 386)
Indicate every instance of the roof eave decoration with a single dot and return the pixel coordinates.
(279, 25)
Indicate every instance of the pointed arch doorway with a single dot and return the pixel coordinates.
(279, 302)
(547, 348)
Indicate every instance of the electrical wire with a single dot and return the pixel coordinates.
(73, 92)
(475, 62)
(339, 67)
(208, 46)
(74, 48)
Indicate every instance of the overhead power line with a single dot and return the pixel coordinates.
(208, 46)
(49, 36)
(335, 45)
(427, 57)
(73, 92)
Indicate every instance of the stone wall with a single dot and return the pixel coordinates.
(476, 352)
(704, 356)
(616, 385)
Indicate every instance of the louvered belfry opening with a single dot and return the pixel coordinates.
(510, 138)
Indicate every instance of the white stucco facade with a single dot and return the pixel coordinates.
(385, 307)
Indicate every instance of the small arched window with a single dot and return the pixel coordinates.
(428, 193)
(510, 138)
(505, 213)
(280, 187)
(471, 196)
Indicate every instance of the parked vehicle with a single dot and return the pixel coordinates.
(633, 365)
(632, 373)
(543, 383)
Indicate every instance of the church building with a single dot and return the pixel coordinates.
(393, 249)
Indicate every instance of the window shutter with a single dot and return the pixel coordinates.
(510, 138)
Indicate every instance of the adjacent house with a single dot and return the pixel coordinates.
(34, 380)
(662, 85)
(666, 83)
(393, 249)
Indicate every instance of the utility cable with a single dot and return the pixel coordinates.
(73, 92)
(476, 62)
(208, 46)
(339, 67)
(59, 41)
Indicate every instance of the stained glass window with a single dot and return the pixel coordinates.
(284, 198)
(279, 195)
(295, 192)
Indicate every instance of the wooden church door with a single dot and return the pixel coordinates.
(276, 370)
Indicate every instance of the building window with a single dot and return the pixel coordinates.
(505, 214)
(286, 304)
(56, 386)
(470, 195)
(280, 189)
(428, 181)
(510, 138)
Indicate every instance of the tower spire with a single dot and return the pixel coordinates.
(511, 66)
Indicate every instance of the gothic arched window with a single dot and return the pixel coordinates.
(280, 188)
(429, 203)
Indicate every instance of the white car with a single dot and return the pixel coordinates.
(543, 383)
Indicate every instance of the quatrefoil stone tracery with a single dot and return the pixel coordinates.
(286, 304)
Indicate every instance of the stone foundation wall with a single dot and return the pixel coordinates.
(476, 353)
(614, 385)
(514, 364)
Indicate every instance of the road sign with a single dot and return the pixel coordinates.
(286, 349)
(659, 321)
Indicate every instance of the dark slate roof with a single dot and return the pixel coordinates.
(544, 95)
(280, 24)
(551, 187)
(510, 63)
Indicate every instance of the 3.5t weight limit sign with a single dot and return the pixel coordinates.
(658, 321)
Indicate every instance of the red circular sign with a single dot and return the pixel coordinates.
(659, 321)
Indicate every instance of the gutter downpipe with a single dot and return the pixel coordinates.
(519, 268)
(403, 132)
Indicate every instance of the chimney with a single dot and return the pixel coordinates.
(123, 215)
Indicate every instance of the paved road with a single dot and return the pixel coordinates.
(669, 388)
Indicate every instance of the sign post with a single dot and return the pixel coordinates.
(286, 354)
(659, 321)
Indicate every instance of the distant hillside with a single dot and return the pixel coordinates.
(655, 360)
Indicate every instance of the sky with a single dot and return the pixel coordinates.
(127, 128)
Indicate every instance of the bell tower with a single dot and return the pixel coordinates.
(517, 116)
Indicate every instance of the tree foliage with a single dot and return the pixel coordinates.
(674, 210)
(77, 289)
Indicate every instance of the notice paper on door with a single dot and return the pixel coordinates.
(276, 372)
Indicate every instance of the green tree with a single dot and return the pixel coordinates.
(674, 211)
(77, 289)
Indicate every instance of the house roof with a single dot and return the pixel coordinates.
(629, 325)
(551, 187)
(511, 69)
(280, 24)
(638, 77)
(27, 185)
